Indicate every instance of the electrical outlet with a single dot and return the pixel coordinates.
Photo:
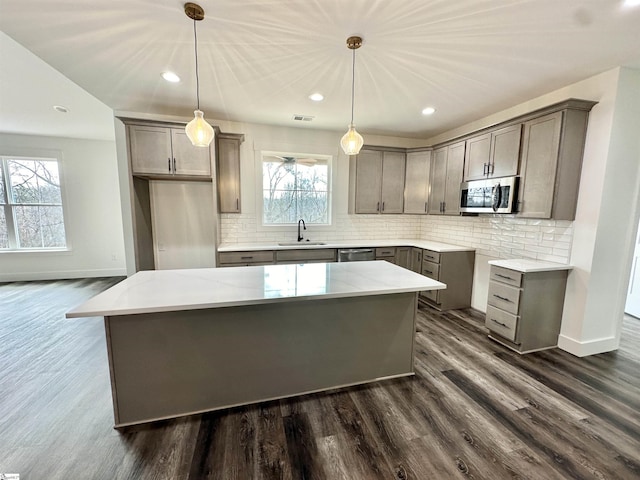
(114, 257)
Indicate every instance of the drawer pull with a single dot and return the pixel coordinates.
(502, 298)
(246, 258)
(504, 276)
(500, 323)
(429, 256)
(429, 271)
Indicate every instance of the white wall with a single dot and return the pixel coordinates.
(93, 219)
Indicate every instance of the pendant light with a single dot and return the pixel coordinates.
(352, 141)
(198, 130)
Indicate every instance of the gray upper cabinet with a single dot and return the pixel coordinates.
(228, 170)
(493, 154)
(552, 149)
(160, 150)
(379, 182)
(446, 175)
(416, 185)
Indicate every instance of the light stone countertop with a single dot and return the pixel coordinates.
(526, 265)
(200, 288)
(426, 244)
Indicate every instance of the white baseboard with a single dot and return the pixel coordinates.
(591, 347)
(62, 275)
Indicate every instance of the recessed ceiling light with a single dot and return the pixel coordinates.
(631, 3)
(429, 111)
(316, 97)
(60, 108)
(170, 77)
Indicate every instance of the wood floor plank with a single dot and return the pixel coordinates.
(473, 410)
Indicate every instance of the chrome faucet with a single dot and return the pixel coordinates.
(300, 237)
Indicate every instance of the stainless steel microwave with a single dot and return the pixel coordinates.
(495, 195)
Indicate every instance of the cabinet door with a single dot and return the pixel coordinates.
(416, 184)
(189, 160)
(455, 169)
(476, 159)
(403, 257)
(540, 147)
(505, 151)
(393, 165)
(416, 260)
(150, 150)
(437, 180)
(228, 162)
(368, 181)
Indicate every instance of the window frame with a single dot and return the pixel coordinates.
(261, 226)
(9, 206)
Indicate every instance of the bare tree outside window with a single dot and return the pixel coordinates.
(295, 187)
(32, 216)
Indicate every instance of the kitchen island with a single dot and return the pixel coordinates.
(181, 342)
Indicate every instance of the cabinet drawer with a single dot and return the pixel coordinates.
(431, 295)
(430, 256)
(504, 297)
(385, 252)
(246, 257)
(504, 275)
(431, 270)
(327, 254)
(502, 323)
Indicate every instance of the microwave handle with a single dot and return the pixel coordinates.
(496, 195)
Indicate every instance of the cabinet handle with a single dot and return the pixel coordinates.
(174, 165)
(492, 166)
(502, 298)
(237, 204)
(169, 164)
(425, 206)
(500, 323)
(378, 207)
(429, 271)
(484, 169)
(383, 206)
(246, 258)
(504, 276)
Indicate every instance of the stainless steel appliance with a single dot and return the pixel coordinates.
(494, 195)
(356, 254)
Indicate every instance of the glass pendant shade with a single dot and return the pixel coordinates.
(199, 131)
(352, 141)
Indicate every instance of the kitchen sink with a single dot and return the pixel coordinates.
(291, 244)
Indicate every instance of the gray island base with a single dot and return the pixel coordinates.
(356, 328)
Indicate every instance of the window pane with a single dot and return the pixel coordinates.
(4, 237)
(295, 188)
(2, 197)
(39, 227)
(35, 181)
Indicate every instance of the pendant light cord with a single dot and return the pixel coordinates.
(353, 81)
(195, 38)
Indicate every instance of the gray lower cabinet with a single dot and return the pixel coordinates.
(158, 150)
(416, 184)
(379, 181)
(386, 253)
(447, 169)
(228, 172)
(524, 310)
(552, 150)
(237, 259)
(315, 255)
(455, 269)
(416, 260)
(403, 257)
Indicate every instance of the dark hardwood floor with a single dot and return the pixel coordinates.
(474, 410)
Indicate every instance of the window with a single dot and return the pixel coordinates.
(295, 187)
(30, 204)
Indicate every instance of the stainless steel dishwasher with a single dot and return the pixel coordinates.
(356, 254)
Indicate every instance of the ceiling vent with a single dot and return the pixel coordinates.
(303, 118)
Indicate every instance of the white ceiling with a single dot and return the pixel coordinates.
(260, 59)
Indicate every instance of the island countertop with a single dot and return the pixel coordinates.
(425, 244)
(203, 288)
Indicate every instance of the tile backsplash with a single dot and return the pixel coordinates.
(502, 236)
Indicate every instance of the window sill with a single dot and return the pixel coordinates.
(37, 251)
